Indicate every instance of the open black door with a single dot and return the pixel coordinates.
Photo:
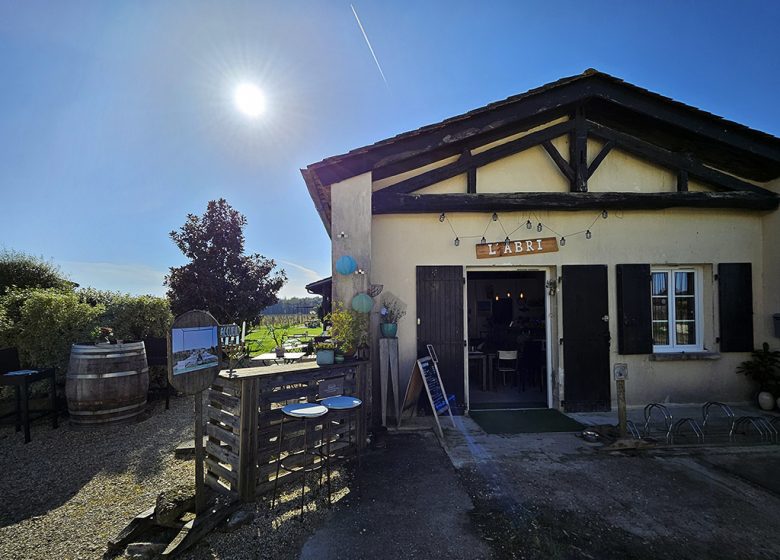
(440, 322)
(586, 382)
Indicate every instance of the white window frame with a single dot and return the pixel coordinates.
(698, 275)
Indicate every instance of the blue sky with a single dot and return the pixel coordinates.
(116, 118)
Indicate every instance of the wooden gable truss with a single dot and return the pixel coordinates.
(730, 192)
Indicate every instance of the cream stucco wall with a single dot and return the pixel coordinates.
(771, 279)
(687, 237)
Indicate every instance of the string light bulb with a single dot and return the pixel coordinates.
(441, 217)
(604, 214)
(539, 226)
(457, 241)
(507, 239)
(483, 241)
(495, 216)
(588, 234)
(528, 224)
(563, 241)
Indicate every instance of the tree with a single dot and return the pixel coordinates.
(25, 271)
(220, 278)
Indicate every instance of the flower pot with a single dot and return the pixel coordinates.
(280, 352)
(339, 358)
(766, 401)
(389, 330)
(325, 357)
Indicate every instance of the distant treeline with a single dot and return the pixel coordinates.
(293, 306)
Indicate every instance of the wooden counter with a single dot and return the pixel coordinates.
(243, 414)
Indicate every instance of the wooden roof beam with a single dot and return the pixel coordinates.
(400, 203)
(488, 156)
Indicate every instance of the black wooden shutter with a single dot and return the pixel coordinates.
(735, 299)
(440, 323)
(633, 305)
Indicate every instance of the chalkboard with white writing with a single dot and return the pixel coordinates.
(426, 373)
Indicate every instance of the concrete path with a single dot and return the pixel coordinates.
(556, 496)
(410, 505)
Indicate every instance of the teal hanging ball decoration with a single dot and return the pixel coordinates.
(362, 303)
(346, 265)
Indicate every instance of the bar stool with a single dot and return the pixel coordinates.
(306, 412)
(349, 405)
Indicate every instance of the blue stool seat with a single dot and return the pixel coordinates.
(305, 412)
(341, 403)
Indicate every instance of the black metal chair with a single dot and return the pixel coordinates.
(157, 355)
(12, 375)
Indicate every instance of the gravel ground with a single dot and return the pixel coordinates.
(67, 492)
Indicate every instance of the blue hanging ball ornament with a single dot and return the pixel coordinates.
(346, 265)
(362, 303)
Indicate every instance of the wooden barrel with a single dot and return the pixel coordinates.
(106, 383)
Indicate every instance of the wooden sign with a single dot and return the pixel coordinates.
(194, 352)
(519, 248)
(426, 374)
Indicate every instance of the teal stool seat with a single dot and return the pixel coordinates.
(341, 403)
(350, 405)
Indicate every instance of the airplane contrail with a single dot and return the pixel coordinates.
(376, 60)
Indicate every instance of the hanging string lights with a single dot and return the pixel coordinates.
(540, 226)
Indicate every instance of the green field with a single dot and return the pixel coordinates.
(261, 340)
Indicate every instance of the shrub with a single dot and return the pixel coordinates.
(137, 317)
(51, 321)
(25, 271)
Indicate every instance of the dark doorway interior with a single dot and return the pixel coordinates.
(507, 316)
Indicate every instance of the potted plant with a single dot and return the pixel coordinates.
(393, 310)
(325, 352)
(347, 328)
(763, 368)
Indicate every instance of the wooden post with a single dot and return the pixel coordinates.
(388, 367)
(247, 447)
(621, 402)
(200, 496)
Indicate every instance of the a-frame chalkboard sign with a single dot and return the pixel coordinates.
(426, 374)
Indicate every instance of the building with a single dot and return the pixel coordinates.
(585, 223)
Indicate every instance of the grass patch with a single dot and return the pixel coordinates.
(261, 340)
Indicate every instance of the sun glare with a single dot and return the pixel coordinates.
(250, 100)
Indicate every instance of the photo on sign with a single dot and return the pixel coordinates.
(194, 348)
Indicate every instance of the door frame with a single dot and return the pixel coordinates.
(550, 312)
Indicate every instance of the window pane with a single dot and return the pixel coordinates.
(660, 287)
(683, 283)
(660, 309)
(685, 332)
(661, 333)
(685, 309)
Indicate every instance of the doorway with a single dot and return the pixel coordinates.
(507, 339)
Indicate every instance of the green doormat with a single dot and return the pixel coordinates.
(527, 421)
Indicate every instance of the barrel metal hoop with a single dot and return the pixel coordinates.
(107, 375)
(106, 411)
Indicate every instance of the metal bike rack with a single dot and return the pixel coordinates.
(724, 409)
(689, 422)
(667, 417)
(633, 430)
(766, 430)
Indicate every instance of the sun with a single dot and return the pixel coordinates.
(249, 99)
